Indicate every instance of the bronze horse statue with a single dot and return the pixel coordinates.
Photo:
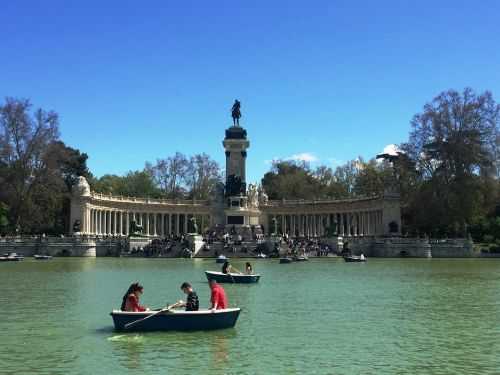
(236, 113)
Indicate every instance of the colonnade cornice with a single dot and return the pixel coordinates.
(304, 202)
(151, 201)
(152, 210)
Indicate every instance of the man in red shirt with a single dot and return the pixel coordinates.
(218, 297)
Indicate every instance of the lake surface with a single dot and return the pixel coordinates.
(387, 316)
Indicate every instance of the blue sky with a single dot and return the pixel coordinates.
(326, 80)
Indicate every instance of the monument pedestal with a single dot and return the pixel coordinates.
(195, 242)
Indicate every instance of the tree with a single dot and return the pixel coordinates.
(202, 174)
(133, 184)
(454, 147)
(24, 140)
(291, 180)
(170, 175)
(4, 222)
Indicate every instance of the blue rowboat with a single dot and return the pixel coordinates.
(176, 320)
(354, 258)
(234, 278)
(301, 258)
(42, 257)
(221, 259)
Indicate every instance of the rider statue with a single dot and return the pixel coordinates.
(236, 113)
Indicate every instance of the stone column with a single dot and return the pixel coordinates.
(147, 224)
(154, 224)
(127, 223)
(177, 223)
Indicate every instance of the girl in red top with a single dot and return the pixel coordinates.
(130, 300)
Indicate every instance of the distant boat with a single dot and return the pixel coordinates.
(301, 258)
(176, 320)
(354, 258)
(11, 257)
(286, 260)
(221, 259)
(233, 278)
(261, 256)
(42, 257)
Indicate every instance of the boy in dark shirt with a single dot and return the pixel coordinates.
(192, 303)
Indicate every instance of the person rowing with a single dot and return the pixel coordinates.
(130, 301)
(192, 303)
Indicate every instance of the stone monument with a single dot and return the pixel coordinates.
(195, 240)
(241, 209)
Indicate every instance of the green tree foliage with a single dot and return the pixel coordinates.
(4, 221)
(290, 180)
(36, 169)
(174, 177)
(454, 147)
(296, 180)
(133, 184)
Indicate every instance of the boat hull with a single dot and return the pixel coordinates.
(42, 257)
(202, 320)
(232, 278)
(286, 260)
(353, 259)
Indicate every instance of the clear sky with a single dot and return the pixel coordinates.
(322, 80)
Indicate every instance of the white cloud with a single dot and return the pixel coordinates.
(304, 156)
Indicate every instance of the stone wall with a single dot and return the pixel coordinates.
(55, 246)
(452, 248)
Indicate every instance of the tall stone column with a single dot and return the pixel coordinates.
(162, 225)
(185, 223)
(154, 224)
(147, 224)
(177, 224)
(127, 223)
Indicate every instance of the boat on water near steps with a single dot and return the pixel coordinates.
(354, 258)
(221, 259)
(233, 278)
(42, 257)
(175, 320)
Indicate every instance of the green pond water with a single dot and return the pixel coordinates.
(386, 316)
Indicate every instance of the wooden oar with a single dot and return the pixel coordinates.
(128, 325)
(237, 270)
